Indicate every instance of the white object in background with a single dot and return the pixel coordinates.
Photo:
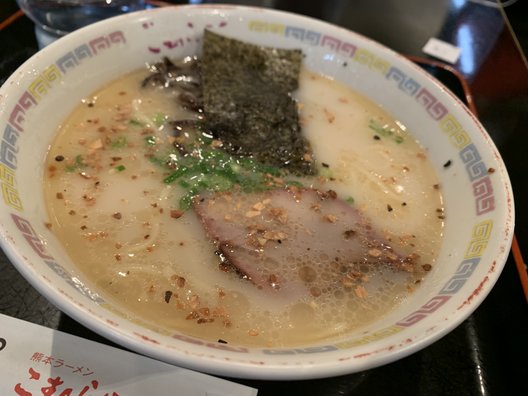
(442, 50)
(36, 360)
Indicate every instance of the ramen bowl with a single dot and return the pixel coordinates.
(476, 190)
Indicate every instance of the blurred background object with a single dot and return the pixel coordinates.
(55, 18)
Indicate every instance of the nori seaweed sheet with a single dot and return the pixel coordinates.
(248, 103)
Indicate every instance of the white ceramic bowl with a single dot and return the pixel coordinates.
(478, 231)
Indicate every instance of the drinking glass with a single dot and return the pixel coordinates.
(56, 18)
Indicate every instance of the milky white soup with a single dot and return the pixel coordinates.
(125, 230)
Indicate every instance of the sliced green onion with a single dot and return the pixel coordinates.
(326, 173)
(150, 140)
(385, 131)
(208, 169)
(206, 138)
(159, 119)
(176, 174)
(136, 122)
(119, 142)
(78, 164)
(294, 183)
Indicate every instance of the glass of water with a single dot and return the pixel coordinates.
(56, 18)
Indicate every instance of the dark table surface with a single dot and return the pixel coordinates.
(486, 354)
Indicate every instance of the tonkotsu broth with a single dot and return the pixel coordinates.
(122, 227)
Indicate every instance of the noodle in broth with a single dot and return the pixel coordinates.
(123, 227)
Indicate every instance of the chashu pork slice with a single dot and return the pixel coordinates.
(294, 242)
